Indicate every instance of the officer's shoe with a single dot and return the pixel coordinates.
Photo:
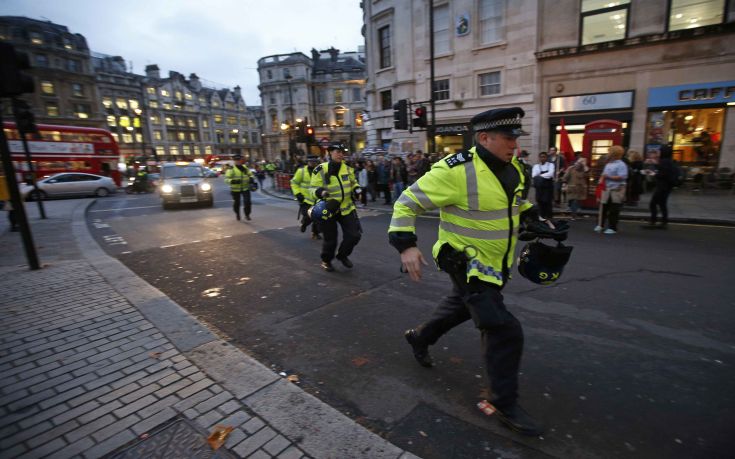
(327, 266)
(346, 262)
(516, 419)
(315, 236)
(303, 227)
(420, 351)
(237, 216)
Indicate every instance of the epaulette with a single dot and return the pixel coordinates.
(458, 158)
(317, 168)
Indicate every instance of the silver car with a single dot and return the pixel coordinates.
(184, 183)
(68, 184)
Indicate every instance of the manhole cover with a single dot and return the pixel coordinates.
(178, 439)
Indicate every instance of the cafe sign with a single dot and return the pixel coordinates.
(715, 93)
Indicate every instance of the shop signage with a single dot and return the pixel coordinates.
(592, 102)
(451, 129)
(720, 92)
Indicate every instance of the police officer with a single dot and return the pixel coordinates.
(300, 186)
(238, 178)
(140, 183)
(481, 194)
(335, 181)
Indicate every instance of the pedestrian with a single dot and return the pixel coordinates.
(362, 180)
(481, 194)
(575, 180)
(7, 205)
(615, 175)
(335, 182)
(412, 171)
(372, 180)
(398, 176)
(383, 172)
(665, 177)
(542, 175)
(260, 175)
(301, 188)
(635, 177)
(559, 166)
(238, 178)
(423, 163)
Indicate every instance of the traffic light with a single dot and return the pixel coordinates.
(13, 82)
(400, 115)
(24, 118)
(420, 120)
(300, 131)
(310, 136)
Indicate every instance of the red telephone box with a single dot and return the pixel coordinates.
(599, 136)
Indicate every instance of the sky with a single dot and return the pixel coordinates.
(219, 40)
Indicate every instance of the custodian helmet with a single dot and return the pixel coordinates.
(322, 210)
(543, 264)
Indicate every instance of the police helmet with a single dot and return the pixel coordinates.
(543, 264)
(323, 210)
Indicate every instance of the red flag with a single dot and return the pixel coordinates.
(565, 145)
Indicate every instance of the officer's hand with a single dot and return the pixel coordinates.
(300, 197)
(358, 190)
(412, 259)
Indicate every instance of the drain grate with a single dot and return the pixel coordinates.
(179, 439)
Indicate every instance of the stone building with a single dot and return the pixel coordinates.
(62, 71)
(325, 91)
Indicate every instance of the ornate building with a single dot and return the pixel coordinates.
(325, 91)
(62, 71)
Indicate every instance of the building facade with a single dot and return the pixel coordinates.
(324, 91)
(62, 70)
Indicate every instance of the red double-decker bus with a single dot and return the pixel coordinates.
(65, 149)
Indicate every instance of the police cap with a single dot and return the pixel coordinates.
(237, 156)
(335, 146)
(505, 120)
(311, 158)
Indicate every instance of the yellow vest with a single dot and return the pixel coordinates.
(476, 216)
(340, 187)
(301, 183)
(234, 173)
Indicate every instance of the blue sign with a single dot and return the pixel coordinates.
(716, 93)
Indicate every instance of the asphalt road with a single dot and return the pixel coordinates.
(629, 355)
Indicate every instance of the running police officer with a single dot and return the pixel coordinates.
(481, 194)
(335, 182)
(238, 178)
(300, 186)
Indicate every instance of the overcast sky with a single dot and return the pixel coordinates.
(219, 40)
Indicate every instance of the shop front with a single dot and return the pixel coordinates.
(579, 110)
(452, 138)
(692, 119)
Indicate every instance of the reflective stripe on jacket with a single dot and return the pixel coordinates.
(340, 187)
(301, 183)
(476, 215)
(234, 173)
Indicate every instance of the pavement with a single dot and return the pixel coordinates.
(712, 207)
(95, 362)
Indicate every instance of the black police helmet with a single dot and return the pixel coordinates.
(543, 264)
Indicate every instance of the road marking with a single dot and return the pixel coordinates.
(112, 239)
(123, 208)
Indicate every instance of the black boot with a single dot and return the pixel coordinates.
(237, 215)
(516, 419)
(346, 262)
(327, 266)
(420, 350)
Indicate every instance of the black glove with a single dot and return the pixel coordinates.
(542, 229)
(333, 205)
(300, 197)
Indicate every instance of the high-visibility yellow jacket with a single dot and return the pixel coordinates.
(238, 180)
(340, 187)
(301, 183)
(476, 215)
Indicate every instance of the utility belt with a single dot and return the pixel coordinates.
(482, 299)
(236, 181)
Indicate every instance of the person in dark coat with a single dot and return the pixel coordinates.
(665, 176)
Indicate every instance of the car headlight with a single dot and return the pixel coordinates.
(205, 186)
(167, 188)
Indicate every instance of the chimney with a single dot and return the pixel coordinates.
(194, 82)
(334, 53)
(314, 54)
(152, 71)
(237, 92)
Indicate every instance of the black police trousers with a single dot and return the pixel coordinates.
(236, 197)
(502, 344)
(351, 234)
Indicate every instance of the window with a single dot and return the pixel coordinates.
(320, 98)
(41, 60)
(205, 123)
(47, 87)
(274, 122)
(233, 138)
(165, 93)
(286, 73)
(202, 101)
(321, 118)
(190, 122)
(358, 119)
(218, 119)
(231, 120)
(181, 136)
(36, 38)
(127, 137)
(215, 103)
(603, 20)
(174, 150)
(386, 100)
(73, 65)
(193, 137)
(337, 96)
(133, 104)
(492, 15)
(272, 98)
(166, 106)
(111, 121)
(169, 121)
(81, 110)
(187, 96)
(186, 150)
(688, 14)
(107, 103)
(157, 135)
(160, 150)
(77, 90)
(155, 119)
(52, 109)
(269, 73)
(356, 95)
(124, 121)
(178, 95)
(384, 42)
(489, 83)
(441, 89)
(441, 29)
(153, 104)
(151, 90)
(121, 103)
(219, 135)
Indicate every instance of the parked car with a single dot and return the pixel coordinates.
(68, 184)
(183, 183)
(210, 173)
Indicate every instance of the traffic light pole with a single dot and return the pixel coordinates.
(430, 130)
(17, 202)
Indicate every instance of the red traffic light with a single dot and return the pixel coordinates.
(420, 112)
(309, 130)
